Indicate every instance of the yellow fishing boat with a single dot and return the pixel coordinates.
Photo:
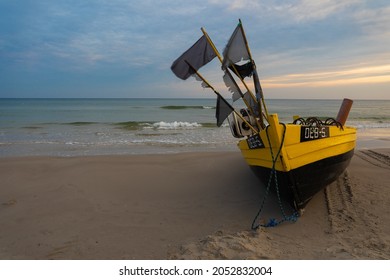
(297, 159)
(305, 155)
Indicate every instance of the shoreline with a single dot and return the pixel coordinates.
(368, 138)
(196, 205)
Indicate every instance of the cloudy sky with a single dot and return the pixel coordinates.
(124, 48)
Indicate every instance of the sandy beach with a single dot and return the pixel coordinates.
(183, 206)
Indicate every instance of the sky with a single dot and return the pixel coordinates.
(327, 49)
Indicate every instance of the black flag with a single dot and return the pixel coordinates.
(223, 110)
(236, 51)
(198, 55)
(244, 70)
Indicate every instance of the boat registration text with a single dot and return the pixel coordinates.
(309, 133)
(254, 142)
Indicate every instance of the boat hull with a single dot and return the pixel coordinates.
(299, 185)
(305, 158)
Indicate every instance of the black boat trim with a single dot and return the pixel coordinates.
(299, 185)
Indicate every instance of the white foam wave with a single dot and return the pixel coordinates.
(364, 125)
(176, 125)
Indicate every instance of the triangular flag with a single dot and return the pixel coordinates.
(223, 110)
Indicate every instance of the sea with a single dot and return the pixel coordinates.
(88, 127)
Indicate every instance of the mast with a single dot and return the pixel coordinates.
(230, 75)
(255, 75)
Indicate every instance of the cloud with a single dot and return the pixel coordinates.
(84, 34)
(308, 10)
(290, 10)
(375, 22)
(350, 76)
(235, 5)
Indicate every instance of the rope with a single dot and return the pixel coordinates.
(274, 222)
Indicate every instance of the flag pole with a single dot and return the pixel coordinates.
(220, 96)
(229, 73)
(254, 66)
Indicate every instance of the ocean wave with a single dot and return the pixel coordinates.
(32, 127)
(132, 125)
(136, 125)
(183, 107)
(80, 123)
(176, 125)
(370, 125)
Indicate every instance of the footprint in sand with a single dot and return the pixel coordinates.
(10, 202)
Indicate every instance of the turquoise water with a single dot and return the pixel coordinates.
(73, 127)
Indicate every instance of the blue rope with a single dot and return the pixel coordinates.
(274, 222)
